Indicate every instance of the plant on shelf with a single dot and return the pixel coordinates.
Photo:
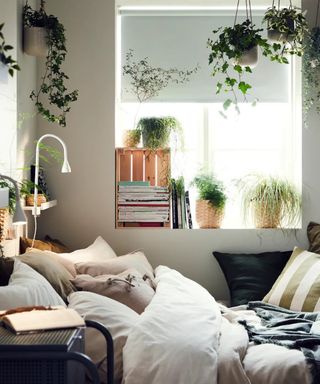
(156, 131)
(147, 81)
(212, 199)
(288, 27)
(27, 192)
(272, 202)
(131, 137)
(5, 57)
(52, 83)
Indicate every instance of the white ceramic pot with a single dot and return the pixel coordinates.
(35, 41)
(249, 58)
(279, 37)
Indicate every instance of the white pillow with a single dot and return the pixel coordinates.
(27, 287)
(100, 250)
(116, 317)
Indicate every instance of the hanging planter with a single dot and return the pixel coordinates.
(233, 55)
(45, 36)
(286, 26)
(5, 57)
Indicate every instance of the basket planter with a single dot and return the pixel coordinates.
(249, 58)
(207, 216)
(4, 223)
(263, 219)
(35, 41)
(30, 200)
(131, 138)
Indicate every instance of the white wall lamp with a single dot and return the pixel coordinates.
(19, 216)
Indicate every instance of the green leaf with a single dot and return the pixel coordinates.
(237, 68)
(248, 69)
(219, 86)
(227, 104)
(243, 86)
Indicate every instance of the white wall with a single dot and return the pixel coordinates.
(86, 205)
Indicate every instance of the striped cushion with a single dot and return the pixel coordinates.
(298, 286)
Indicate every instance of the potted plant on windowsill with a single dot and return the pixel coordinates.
(211, 203)
(156, 131)
(52, 83)
(272, 202)
(5, 58)
(287, 26)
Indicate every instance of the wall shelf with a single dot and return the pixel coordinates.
(43, 206)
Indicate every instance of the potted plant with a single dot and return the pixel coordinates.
(147, 81)
(273, 202)
(156, 131)
(287, 26)
(27, 192)
(131, 137)
(211, 203)
(311, 71)
(52, 83)
(233, 54)
(5, 58)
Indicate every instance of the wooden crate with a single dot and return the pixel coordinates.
(140, 164)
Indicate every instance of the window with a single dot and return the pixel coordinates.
(262, 139)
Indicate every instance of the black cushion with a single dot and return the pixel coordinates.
(6, 268)
(251, 276)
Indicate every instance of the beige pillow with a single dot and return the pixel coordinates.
(127, 287)
(135, 260)
(116, 317)
(99, 251)
(27, 287)
(49, 268)
(298, 286)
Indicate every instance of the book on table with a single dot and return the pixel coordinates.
(42, 319)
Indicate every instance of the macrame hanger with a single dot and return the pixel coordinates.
(248, 11)
(236, 16)
(317, 15)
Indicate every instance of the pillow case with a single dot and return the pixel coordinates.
(98, 251)
(118, 318)
(135, 260)
(27, 287)
(298, 286)
(6, 269)
(251, 276)
(313, 233)
(57, 275)
(128, 288)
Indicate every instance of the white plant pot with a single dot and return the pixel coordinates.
(249, 58)
(35, 41)
(279, 37)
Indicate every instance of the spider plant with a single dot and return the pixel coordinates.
(272, 202)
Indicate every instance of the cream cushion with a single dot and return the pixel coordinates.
(298, 286)
(116, 317)
(27, 287)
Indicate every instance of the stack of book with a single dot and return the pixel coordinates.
(181, 213)
(142, 203)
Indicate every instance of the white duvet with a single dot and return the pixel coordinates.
(182, 338)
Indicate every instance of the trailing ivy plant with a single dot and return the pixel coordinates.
(5, 57)
(225, 57)
(53, 81)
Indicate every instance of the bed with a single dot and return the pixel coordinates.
(177, 334)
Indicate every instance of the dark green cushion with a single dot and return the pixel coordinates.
(6, 268)
(251, 276)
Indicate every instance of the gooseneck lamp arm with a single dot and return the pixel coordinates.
(19, 216)
(65, 166)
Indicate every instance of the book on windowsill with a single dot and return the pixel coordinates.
(38, 320)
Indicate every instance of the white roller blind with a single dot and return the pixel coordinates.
(179, 39)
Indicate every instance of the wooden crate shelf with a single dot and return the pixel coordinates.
(140, 164)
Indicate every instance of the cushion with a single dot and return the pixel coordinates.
(135, 260)
(251, 276)
(313, 232)
(128, 288)
(47, 245)
(99, 251)
(298, 286)
(57, 275)
(6, 268)
(118, 319)
(27, 287)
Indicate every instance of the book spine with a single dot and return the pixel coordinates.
(174, 206)
(188, 209)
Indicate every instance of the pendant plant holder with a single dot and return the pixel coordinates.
(229, 57)
(5, 57)
(50, 41)
(286, 27)
(311, 68)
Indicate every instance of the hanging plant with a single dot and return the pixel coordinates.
(288, 27)
(5, 58)
(311, 68)
(53, 81)
(234, 54)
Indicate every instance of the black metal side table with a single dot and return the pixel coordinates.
(50, 357)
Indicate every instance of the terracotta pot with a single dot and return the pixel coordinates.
(30, 200)
(35, 41)
(208, 216)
